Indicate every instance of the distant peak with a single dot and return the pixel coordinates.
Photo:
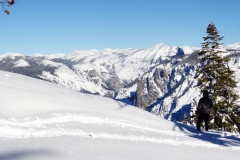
(107, 49)
(8, 54)
(160, 45)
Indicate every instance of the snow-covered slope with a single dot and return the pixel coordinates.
(41, 120)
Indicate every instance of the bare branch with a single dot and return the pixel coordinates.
(7, 3)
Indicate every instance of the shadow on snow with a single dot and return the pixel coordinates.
(22, 154)
(219, 138)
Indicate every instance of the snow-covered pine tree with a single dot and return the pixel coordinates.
(215, 75)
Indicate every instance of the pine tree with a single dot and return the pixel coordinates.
(215, 76)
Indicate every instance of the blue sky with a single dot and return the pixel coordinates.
(63, 26)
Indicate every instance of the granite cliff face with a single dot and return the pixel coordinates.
(169, 86)
(169, 89)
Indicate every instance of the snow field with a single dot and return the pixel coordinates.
(87, 126)
(41, 120)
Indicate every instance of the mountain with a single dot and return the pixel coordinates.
(233, 47)
(169, 89)
(97, 72)
(159, 79)
(41, 120)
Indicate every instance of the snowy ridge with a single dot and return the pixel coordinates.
(21, 63)
(235, 46)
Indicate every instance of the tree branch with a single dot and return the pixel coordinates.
(7, 3)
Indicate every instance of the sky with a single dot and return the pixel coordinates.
(60, 26)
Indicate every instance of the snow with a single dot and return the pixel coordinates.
(21, 63)
(73, 70)
(187, 50)
(9, 55)
(126, 61)
(50, 63)
(40, 120)
(235, 46)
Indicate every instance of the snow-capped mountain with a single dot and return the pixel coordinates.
(97, 72)
(157, 78)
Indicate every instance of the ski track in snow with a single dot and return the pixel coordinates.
(36, 127)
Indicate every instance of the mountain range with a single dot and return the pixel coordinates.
(159, 79)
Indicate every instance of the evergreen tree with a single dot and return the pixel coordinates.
(215, 76)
